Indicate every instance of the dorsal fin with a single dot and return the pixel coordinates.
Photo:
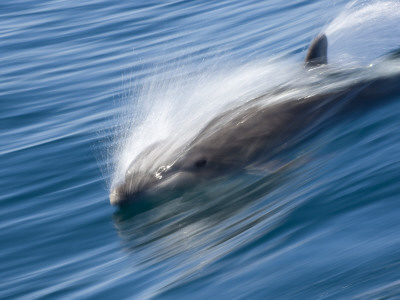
(317, 52)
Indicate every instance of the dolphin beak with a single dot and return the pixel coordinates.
(115, 198)
(118, 195)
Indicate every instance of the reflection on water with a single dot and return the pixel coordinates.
(210, 224)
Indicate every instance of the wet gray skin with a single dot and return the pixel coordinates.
(230, 143)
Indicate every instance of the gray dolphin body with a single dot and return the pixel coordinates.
(250, 135)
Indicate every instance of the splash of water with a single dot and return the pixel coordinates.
(173, 108)
(175, 104)
(363, 32)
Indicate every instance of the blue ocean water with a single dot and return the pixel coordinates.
(86, 85)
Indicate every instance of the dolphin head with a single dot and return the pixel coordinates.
(154, 173)
(229, 144)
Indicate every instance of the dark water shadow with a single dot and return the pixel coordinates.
(205, 208)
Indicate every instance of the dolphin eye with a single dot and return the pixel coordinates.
(200, 163)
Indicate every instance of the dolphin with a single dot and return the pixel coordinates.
(240, 139)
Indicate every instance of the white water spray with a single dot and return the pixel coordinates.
(174, 106)
(363, 32)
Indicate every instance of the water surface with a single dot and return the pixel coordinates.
(85, 86)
